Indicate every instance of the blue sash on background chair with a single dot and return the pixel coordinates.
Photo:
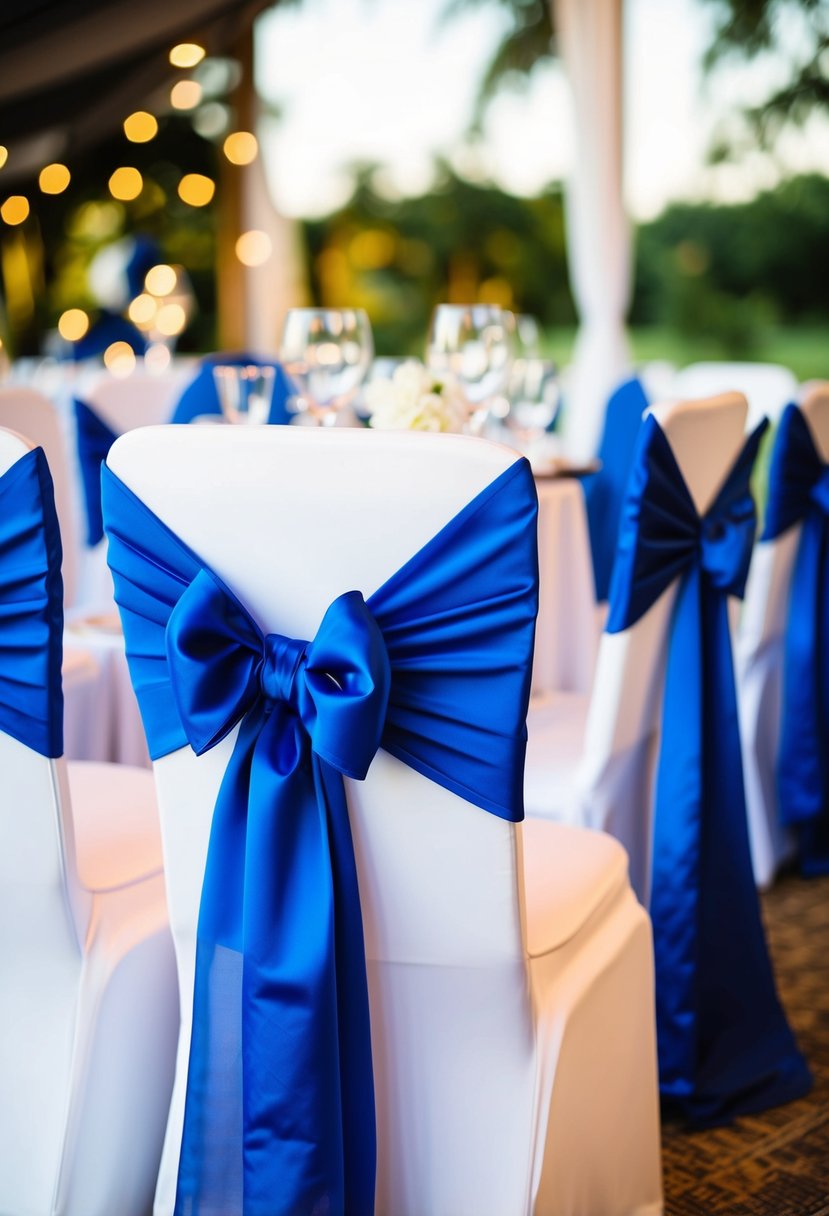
(435, 668)
(799, 494)
(31, 607)
(94, 439)
(604, 491)
(200, 396)
(725, 1048)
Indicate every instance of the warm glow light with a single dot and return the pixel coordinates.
(120, 358)
(186, 55)
(126, 184)
(15, 209)
(4, 155)
(160, 280)
(54, 179)
(196, 189)
(142, 309)
(185, 95)
(171, 320)
(140, 127)
(241, 147)
(73, 324)
(253, 248)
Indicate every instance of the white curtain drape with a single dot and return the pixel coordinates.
(589, 34)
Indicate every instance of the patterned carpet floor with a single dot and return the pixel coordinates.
(777, 1163)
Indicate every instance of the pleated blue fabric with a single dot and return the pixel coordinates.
(435, 668)
(94, 439)
(31, 607)
(799, 494)
(725, 1047)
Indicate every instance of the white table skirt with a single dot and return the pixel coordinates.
(567, 634)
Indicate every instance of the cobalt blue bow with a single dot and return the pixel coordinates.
(435, 667)
(799, 494)
(94, 439)
(725, 1047)
(31, 607)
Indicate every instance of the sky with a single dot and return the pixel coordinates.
(387, 81)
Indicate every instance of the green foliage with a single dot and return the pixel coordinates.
(730, 272)
(526, 43)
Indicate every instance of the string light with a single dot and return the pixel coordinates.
(126, 184)
(142, 310)
(160, 280)
(253, 248)
(140, 127)
(241, 147)
(186, 55)
(54, 179)
(15, 209)
(196, 189)
(73, 324)
(185, 95)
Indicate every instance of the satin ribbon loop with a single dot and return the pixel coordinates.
(819, 494)
(281, 661)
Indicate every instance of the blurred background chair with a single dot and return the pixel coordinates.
(88, 1003)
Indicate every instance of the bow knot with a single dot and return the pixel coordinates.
(281, 662)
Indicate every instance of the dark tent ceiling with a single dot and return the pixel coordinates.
(70, 70)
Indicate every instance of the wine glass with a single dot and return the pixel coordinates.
(534, 402)
(474, 344)
(326, 352)
(245, 393)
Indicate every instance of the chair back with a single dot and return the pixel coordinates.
(440, 880)
(622, 736)
(140, 399)
(767, 386)
(31, 414)
(45, 914)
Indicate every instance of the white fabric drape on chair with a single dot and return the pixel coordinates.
(589, 34)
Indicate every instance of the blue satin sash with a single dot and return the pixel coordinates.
(31, 607)
(604, 491)
(200, 396)
(799, 494)
(725, 1048)
(94, 439)
(435, 668)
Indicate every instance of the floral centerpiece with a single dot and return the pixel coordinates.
(416, 399)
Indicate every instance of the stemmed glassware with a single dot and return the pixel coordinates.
(245, 392)
(473, 343)
(326, 353)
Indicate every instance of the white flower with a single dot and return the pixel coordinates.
(415, 399)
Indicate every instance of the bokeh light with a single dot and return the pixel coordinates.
(4, 155)
(157, 358)
(73, 324)
(126, 184)
(253, 248)
(241, 147)
(142, 310)
(186, 55)
(119, 358)
(170, 320)
(15, 209)
(140, 127)
(185, 95)
(160, 280)
(196, 189)
(54, 178)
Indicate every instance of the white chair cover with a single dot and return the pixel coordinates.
(760, 669)
(497, 957)
(88, 1000)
